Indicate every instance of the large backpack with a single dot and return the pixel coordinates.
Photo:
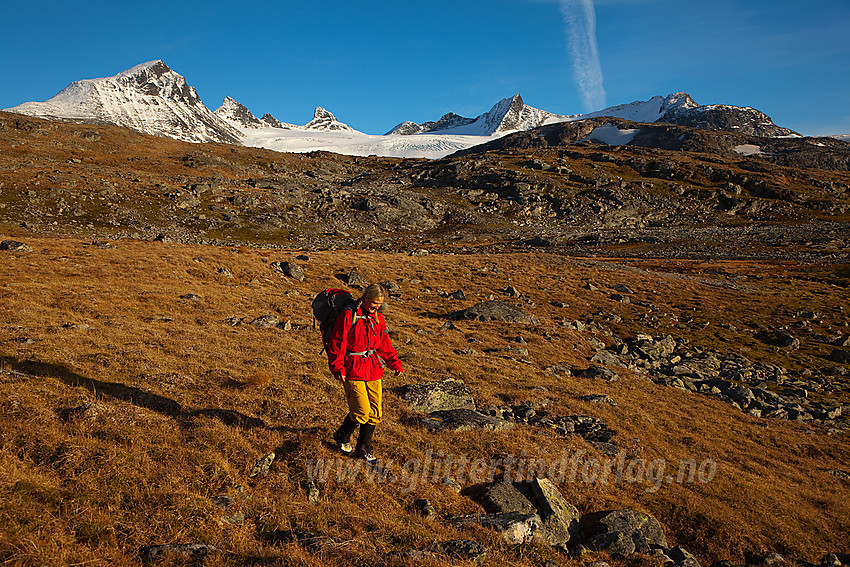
(327, 306)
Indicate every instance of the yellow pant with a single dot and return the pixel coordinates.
(364, 400)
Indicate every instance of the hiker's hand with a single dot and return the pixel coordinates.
(340, 377)
(398, 372)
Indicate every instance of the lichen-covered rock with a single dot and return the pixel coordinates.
(428, 397)
(265, 321)
(624, 532)
(560, 518)
(15, 246)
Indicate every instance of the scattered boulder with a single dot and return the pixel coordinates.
(599, 399)
(356, 279)
(495, 310)
(600, 373)
(392, 288)
(504, 496)
(682, 558)
(515, 527)
(289, 270)
(560, 518)
(261, 468)
(605, 358)
(624, 532)
(462, 420)
(15, 246)
(458, 295)
(265, 321)
(423, 507)
(429, 397)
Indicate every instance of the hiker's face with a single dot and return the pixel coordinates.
(372, 305)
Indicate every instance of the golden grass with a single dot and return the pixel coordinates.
(139, 465)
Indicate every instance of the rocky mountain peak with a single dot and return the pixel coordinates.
(678, 100)
(238, 113)
(325, 120)
(744, 120)
(150, 98)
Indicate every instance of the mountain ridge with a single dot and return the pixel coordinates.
(154, 99)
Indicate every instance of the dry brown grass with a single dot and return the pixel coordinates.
(108, 327)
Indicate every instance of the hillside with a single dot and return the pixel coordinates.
(682, 311)
(137, 393)
(685, 192)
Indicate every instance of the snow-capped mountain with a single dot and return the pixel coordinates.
(511, 114)
(507, 115)
(154, 99)
(150, 98)
(239, 115)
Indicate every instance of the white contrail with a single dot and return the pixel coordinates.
(580, 27)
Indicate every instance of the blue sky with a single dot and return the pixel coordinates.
(375, 64)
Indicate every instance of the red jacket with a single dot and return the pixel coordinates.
(356, 352)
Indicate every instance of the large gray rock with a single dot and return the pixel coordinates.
(462, 420)
(504, 496)
(289, 270)
(560, 518)
(496, 311)
(515, 527)
(624, 532)
(428, 397)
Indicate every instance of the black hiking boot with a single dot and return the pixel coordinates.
(342, 436)
(363, 450)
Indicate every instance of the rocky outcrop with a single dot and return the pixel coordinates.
(430, 397)
(462, 420)
(624, 532)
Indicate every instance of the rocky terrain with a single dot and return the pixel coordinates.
(615, 354)
(673, 191)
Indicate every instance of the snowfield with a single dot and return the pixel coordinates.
(431, 146)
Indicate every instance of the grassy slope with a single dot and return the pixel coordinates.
(134, 471)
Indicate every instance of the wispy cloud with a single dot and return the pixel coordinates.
(580, 28)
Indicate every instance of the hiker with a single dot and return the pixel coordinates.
(358, 349)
